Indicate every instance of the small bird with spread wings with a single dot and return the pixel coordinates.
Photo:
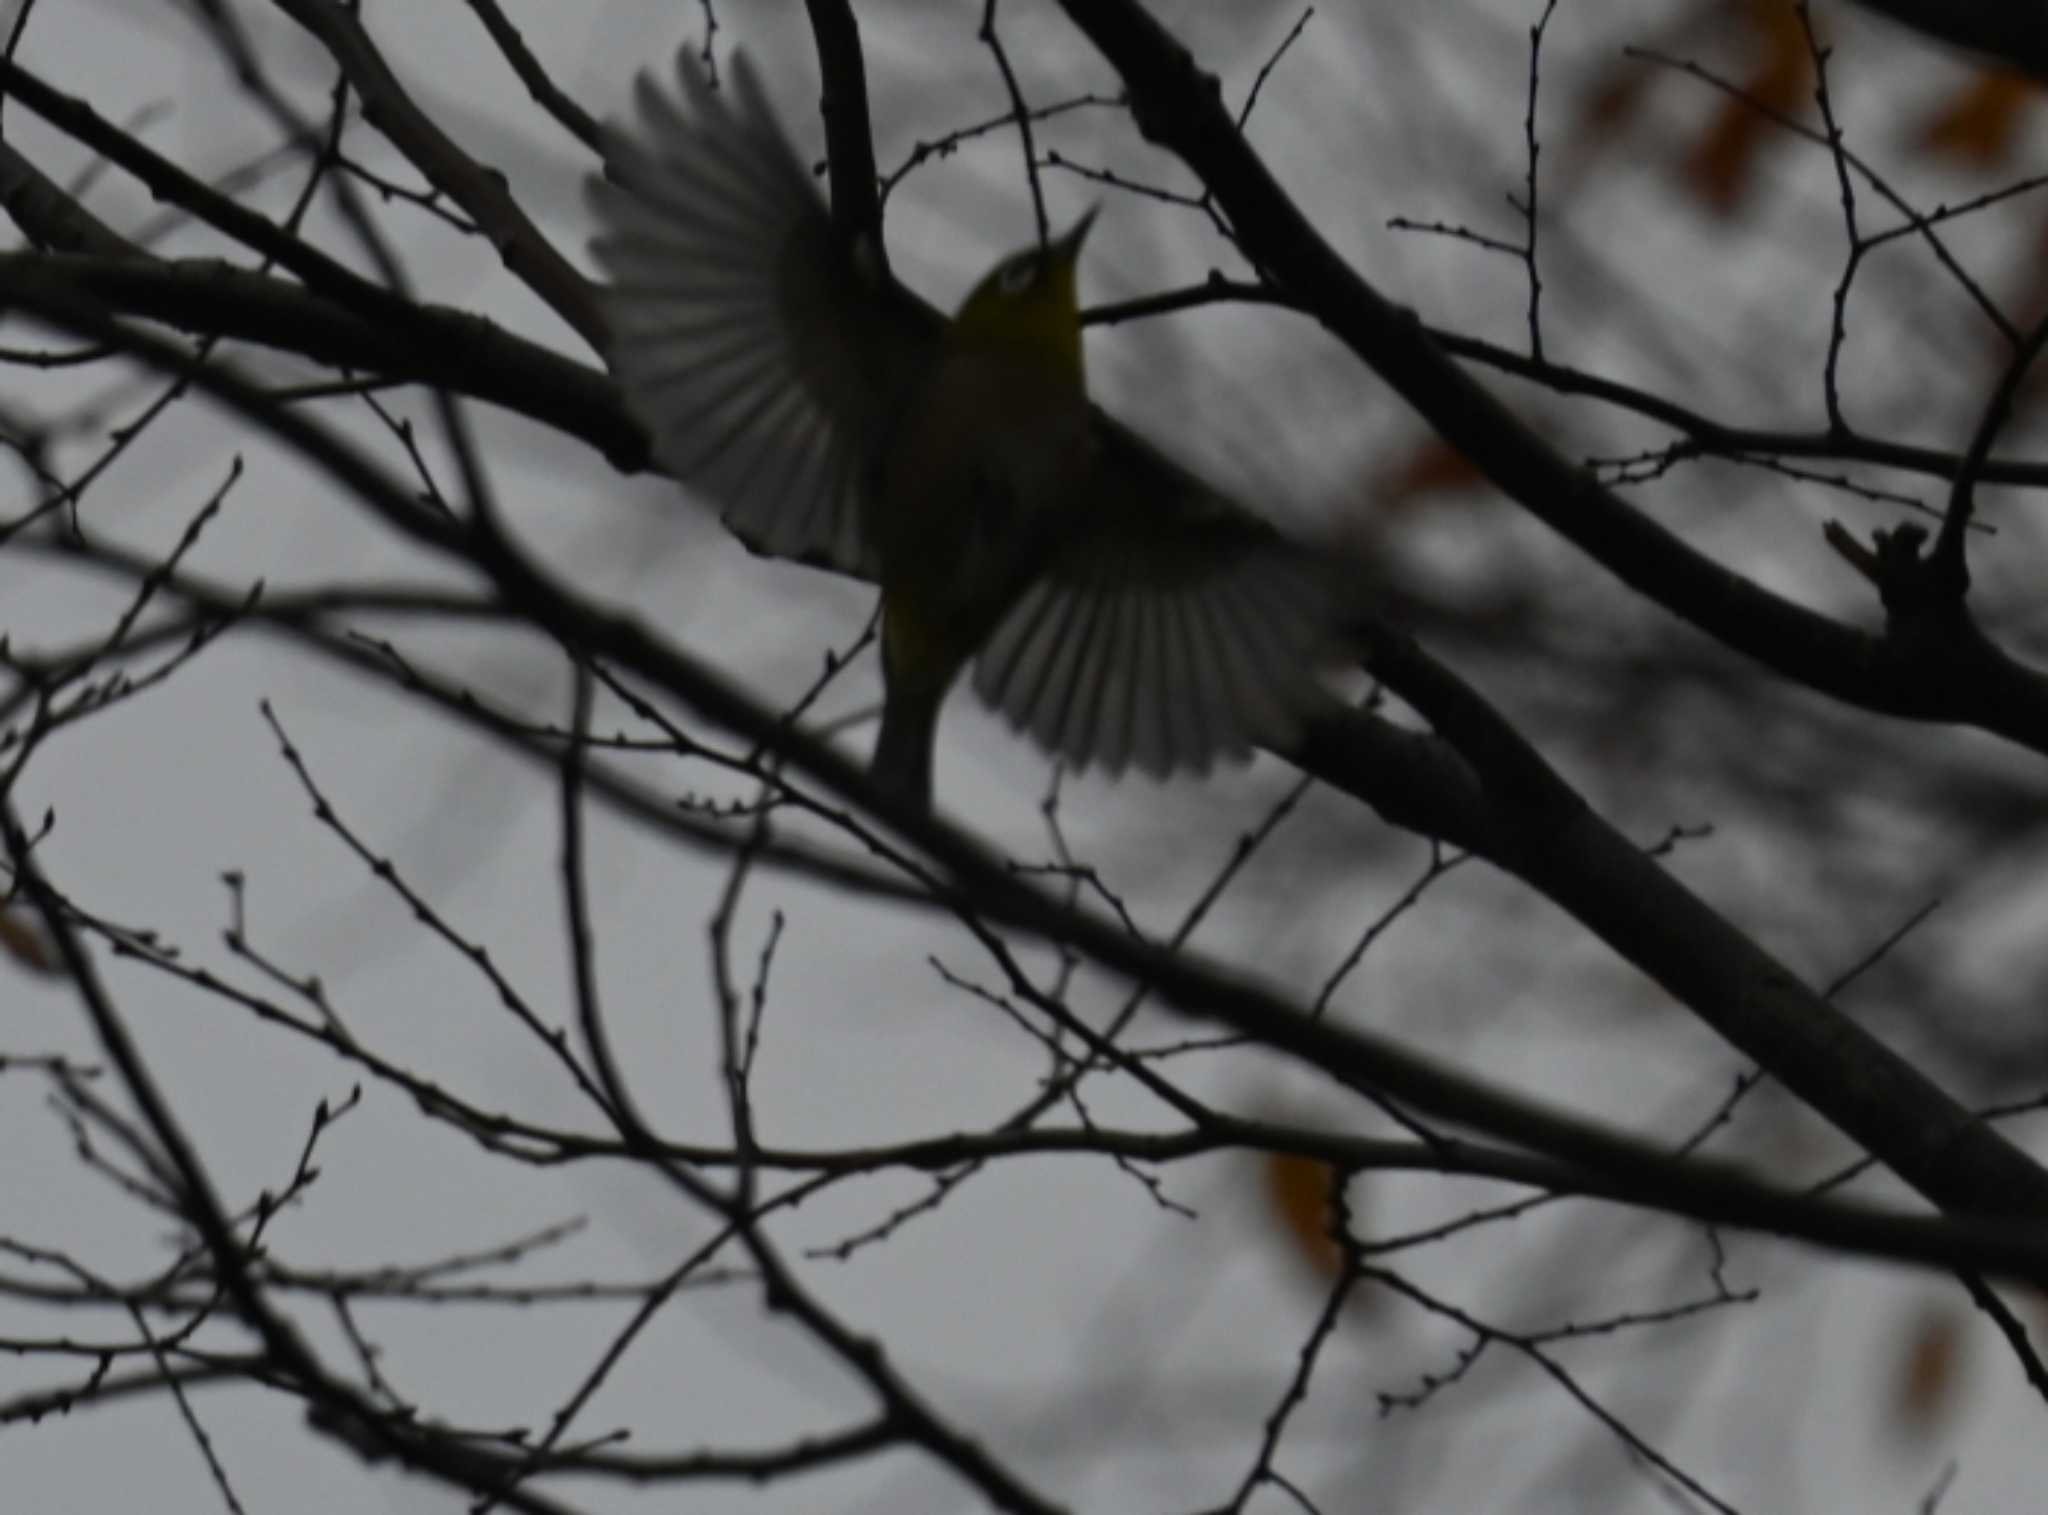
(1114, 607)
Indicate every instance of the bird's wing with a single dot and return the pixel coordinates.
(747, 338)
(1171, 628)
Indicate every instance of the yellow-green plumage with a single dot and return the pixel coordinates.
(1113, 606)
(990, 451)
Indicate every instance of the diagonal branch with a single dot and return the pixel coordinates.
(480, 190)
(1541, 830)
(431, 345)
(1944, 672)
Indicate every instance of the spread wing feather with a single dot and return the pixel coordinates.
(763, 362)
(1168, 629)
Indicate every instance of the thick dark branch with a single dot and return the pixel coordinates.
(849, 141)
(1940, 672)
(1540, 830)
(49, 217)
(1545, 833)
(2012, 32)
(481, 191)
(430, 345)
(171, 185)
(1537, 828)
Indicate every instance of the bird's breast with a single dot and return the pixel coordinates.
(984, 463)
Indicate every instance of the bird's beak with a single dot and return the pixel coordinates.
(1068, 247)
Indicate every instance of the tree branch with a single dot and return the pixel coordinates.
(1902, 1117)
(1943, 672)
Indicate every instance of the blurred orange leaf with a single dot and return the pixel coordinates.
(1930, 1373)
(1299, 1188)
(27, 945)
(1612, 104)
(1434, 467)
(1981, 123)
(1719, 167)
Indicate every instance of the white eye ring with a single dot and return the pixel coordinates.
(1018, 275)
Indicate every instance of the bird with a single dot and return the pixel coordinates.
(1115, 608)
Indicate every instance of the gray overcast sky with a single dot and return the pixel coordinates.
(1122, 1353)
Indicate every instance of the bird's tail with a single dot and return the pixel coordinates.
(902, 763)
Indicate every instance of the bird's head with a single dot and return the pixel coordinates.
(1027, 305)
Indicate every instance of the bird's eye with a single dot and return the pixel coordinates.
(1018, 275)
